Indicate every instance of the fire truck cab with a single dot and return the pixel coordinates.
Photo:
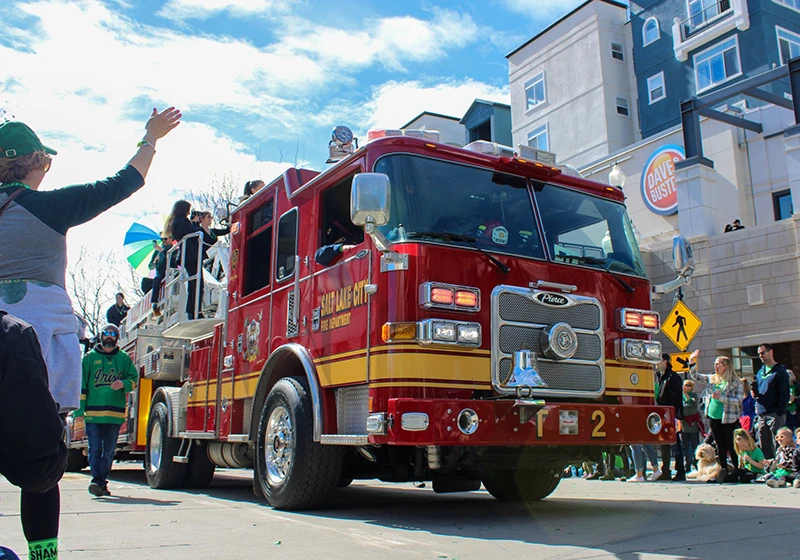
(416, 312)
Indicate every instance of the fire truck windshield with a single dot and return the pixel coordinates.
(587, 230)
(431, 195)
(494, 209)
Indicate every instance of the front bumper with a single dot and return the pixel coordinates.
(509, 422)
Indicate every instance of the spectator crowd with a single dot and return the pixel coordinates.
(735, 431)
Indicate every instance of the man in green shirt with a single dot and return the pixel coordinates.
(108, 376)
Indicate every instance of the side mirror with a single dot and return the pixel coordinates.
(682, 256)
(370, 199)
(222, 214)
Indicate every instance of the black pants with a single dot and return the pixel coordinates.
(689, 442)
(191, 295)
(723, 436)
(677, 450)
(744, 476)
(156, 292)
(40, 501)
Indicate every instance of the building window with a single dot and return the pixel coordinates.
(782, 204)
(650, 31)
(534, 91)
(655, 88)
(617, 51)
(788, 44)
(539, 139)
(702, 11)
(793, 4)
(622, 106)
(717, 65)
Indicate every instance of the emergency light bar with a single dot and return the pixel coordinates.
(534, 154)
(522, 154)
(490, 148)
(430, 135)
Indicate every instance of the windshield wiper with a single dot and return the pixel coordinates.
(605, 264)
(449, 236)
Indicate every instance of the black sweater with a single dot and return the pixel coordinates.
(670, 391)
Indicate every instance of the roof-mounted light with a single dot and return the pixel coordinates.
(341, 144)
(490, 148)
(536, 155)
(430, 135)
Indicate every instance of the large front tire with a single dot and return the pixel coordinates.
(293, 471)
(162, 472)
(521, 486)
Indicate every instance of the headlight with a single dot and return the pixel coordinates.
(445, 332)
(471, 334)
(636, 350)
(440, 331)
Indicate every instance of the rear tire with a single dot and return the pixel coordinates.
(521, 486)
(293, 470)
(162, 472)
(200, 469)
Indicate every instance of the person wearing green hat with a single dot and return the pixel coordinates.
(33, 228)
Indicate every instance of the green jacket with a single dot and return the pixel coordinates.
(99, 402)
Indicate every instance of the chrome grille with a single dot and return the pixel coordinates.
(513, 338)
(565, 376)
(521, 308)
(518, 320)
(352, 408)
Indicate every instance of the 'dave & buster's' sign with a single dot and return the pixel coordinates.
(659, 186)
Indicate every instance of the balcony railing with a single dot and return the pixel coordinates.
(698, 22)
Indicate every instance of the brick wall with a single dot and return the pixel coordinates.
(764, 258)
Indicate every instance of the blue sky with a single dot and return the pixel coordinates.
(261, 82)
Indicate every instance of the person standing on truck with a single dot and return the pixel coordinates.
(117, 312)
(158, 263)
(179, 226)
(33, 454)
(33, 227)
(108, 376)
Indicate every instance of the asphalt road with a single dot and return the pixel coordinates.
(371, 520)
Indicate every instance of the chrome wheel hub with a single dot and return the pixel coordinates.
(279, 446)
(156, 447)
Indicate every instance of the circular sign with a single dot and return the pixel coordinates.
(659, 186)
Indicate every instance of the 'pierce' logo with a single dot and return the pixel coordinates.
(555, 300)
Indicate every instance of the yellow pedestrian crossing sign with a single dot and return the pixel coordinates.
(681, 325)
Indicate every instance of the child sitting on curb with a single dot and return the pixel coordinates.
(785, 468)
(751, 459)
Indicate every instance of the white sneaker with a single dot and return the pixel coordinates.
(638, 478)
(653, 477)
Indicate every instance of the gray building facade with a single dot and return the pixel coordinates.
(683, 49)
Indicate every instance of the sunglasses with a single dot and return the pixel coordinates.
(48, 162)
(110, 333)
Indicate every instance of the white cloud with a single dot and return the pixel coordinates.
(395, 103)
(390, 41)
(85, 77)
(202, 9)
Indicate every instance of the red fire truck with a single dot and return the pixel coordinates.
(416, 312)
